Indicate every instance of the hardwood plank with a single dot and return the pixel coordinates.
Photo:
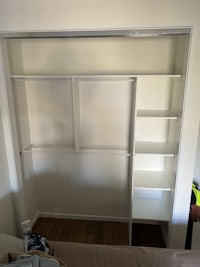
(83, 231)
(98, 232)
(66, 234)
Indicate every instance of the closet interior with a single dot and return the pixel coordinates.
(98, 120)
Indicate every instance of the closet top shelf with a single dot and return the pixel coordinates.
(87, 77)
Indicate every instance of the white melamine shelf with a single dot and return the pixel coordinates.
(151, 209)
(151, 180)
(40, 77)
(154, 148)
(63, 149)
(103, 150)
(68, 77)
(16, 77)
(160, 114)
(49, 148)
(158, 76)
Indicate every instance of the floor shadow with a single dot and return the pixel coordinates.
(148, 235)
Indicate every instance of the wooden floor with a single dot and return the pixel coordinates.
(98, 232)
(83, 231)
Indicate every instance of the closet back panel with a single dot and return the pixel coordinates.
(95, 55)
(50, 112)
(105, 108)
(82, 184)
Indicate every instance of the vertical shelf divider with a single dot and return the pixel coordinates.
(76, 112)
(131, 158)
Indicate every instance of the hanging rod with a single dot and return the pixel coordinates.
(66, 77)
(128, 32)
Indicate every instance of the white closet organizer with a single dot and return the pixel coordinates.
(157, 128)
(99, 122)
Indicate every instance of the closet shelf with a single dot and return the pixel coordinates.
(154, 148)
(158, 76)
(48, 148)
(163, 114)
(151, 209)
(151, 180)
(19, 77)
(69, 77)
(63, 149)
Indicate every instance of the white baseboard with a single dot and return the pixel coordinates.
(34, 220)
(80, 217)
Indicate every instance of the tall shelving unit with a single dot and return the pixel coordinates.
(99, 121)
(157, 133)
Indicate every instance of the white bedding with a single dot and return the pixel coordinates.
(10, 243)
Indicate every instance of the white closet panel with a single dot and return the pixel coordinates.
(105, 108)
(154, 130)
(82, 184)
(50, 112)
(154, 93)
(116, 55)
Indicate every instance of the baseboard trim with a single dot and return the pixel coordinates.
(81, 217)
(34, 220)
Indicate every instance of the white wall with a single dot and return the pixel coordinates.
(7, 222)
(91, 14)
(47, 15)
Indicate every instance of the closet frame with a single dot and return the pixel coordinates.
(136, 114)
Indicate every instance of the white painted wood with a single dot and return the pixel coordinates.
(131, 159)
(21, 132)
(63, 149)
(78, 53)
(154, 148)
(151, 130)
(8, 222)
(157, 126)
(152, 209)
(87, 176)
(47, 102)
(118, 150)
(74, 16)
(10, 132)
(158, 114)
(76, 113)
(180, 211)
(160, 92)
(151, 180)
(105, 112)
(69, 77)
(88, 77)
(100, 33)
(30, 189)
(147, 162)
(21, 107)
